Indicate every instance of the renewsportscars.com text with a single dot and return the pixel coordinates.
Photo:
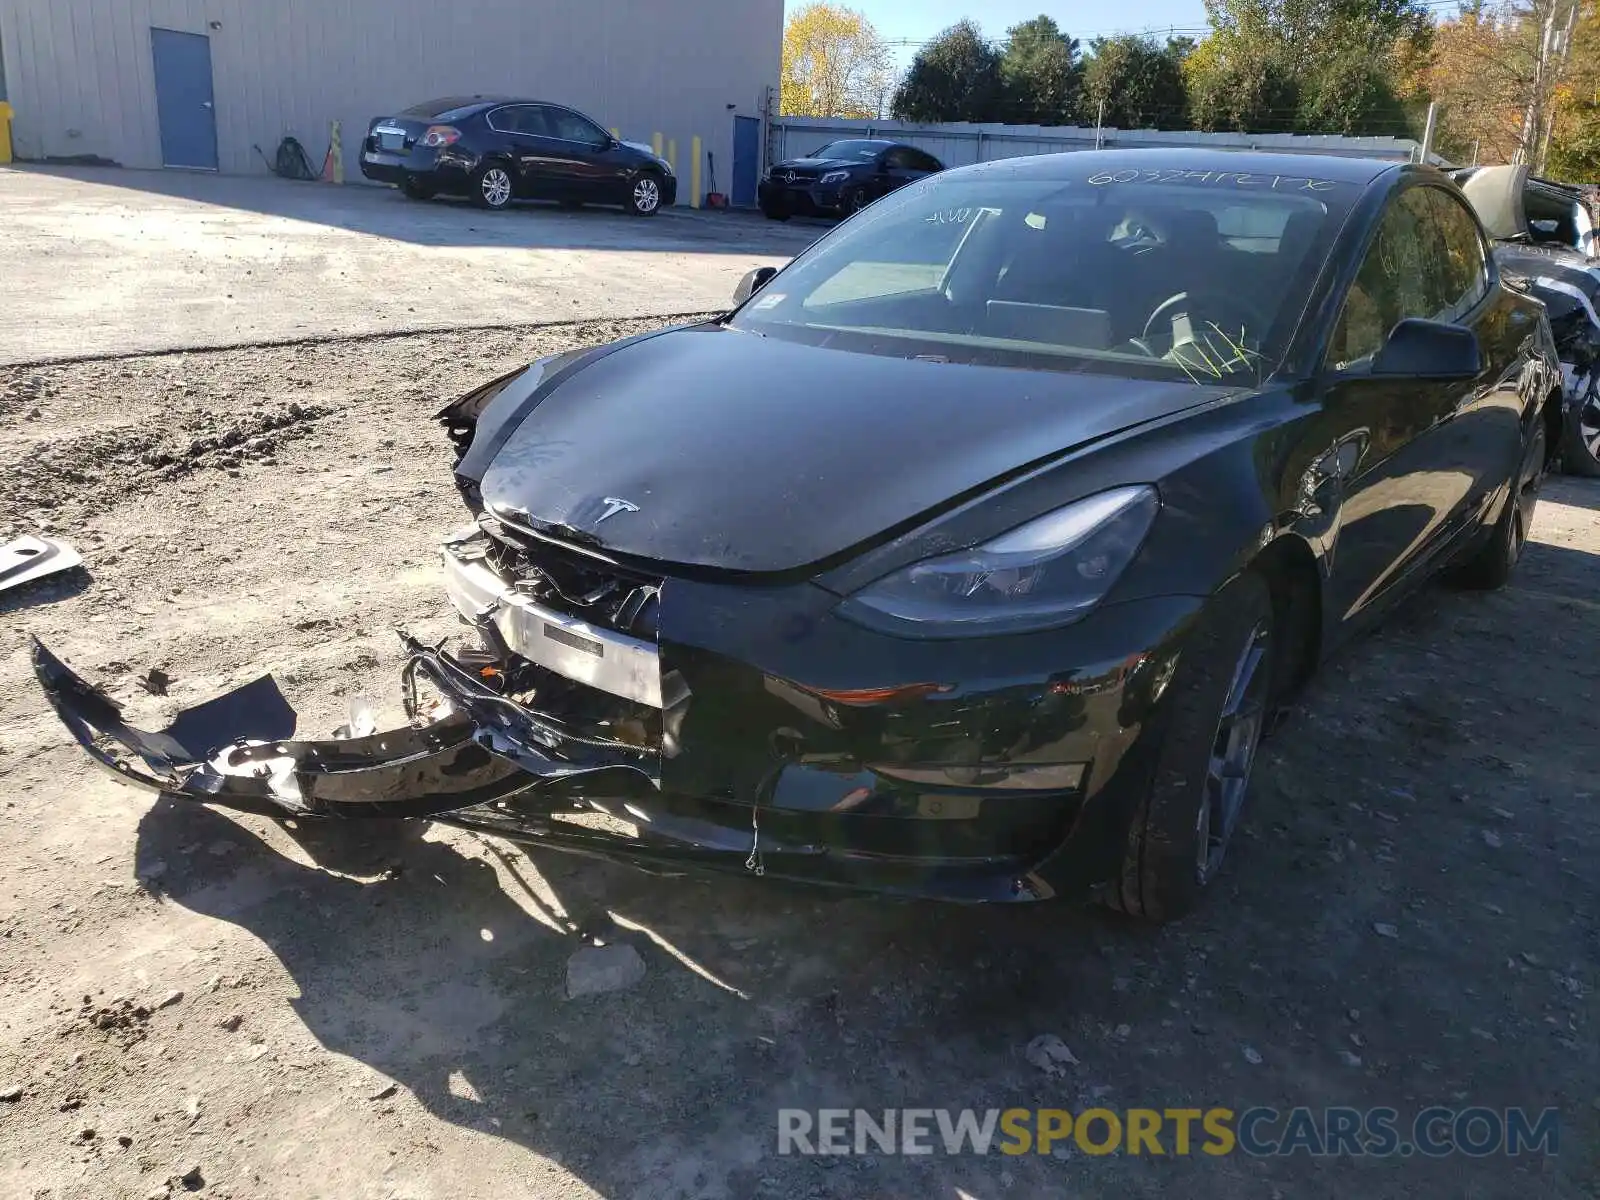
(1319, 1132)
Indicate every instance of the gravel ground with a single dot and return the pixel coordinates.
(1411, 916)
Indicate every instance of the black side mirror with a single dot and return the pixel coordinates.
(1418, 349)
(752, 283)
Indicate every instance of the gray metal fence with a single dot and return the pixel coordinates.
(960, 143)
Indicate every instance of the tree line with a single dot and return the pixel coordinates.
(1514, 82)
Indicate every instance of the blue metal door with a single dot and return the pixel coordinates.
(746, 160)
(184, 103)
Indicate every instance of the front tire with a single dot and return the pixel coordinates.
(774, 214)
(1491, 565)
(1218, 703)
(855, 200)
(644, 197)
(491, 186)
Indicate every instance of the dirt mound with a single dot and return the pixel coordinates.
(46, 475)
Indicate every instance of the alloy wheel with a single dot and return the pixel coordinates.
(1233, 754)
(646, 195)
(496, 187)
(1589, 425)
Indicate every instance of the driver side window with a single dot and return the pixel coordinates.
(1396, 280)
(570, 127)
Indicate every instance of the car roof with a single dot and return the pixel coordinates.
(1076, 164)
(452, 104)
(473, 104)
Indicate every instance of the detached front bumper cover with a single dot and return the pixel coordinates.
(238, 750)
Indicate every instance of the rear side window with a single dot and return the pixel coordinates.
(923, 162)
(518, 118)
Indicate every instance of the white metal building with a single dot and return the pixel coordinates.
(199, 83)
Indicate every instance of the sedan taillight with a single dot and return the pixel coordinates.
(441, 135)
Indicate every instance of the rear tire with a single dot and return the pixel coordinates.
(644, 196)
(1491, 564)
(1218, 704)
(491, 186)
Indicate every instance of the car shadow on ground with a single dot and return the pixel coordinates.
(383, 212)
(1368, 945)
(1573, 490)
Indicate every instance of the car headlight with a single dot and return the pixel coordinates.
(834, 177)
(1050, 571)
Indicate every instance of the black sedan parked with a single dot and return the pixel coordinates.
(494, 150)
(968, 557)
(842, 177)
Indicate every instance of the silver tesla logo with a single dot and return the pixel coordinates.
(615, 506)
(788, 176)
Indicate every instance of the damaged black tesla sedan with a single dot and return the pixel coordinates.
(968, 557)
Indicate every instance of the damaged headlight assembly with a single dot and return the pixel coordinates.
(1048, 572)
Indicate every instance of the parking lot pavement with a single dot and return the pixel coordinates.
(105, 261)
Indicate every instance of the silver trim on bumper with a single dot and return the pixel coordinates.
(574, 649)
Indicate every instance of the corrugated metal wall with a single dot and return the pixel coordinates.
(79, 72)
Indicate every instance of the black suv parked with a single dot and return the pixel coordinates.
(842, 177)
(496, 149)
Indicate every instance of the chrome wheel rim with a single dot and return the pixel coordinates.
(646, 195)
(1589, 426)
(496, 187)
(1233, 754)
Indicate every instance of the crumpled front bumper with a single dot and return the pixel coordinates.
(238, 750)
(483, 766)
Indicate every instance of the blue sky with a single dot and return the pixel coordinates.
(913, 21)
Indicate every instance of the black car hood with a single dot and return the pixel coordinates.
(819, 164)
(721, 449)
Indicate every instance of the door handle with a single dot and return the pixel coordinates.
(206, 104)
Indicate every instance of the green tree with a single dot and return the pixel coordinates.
(1041, 74)
(834, 64)
(1139, 82)
(1310, 66)
(955, 77)
(1574, 153)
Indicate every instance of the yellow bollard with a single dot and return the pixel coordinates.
(336, 153)
(655, 144)
(672, 154)
(694, 172)
(615, 134)
(5, 132)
